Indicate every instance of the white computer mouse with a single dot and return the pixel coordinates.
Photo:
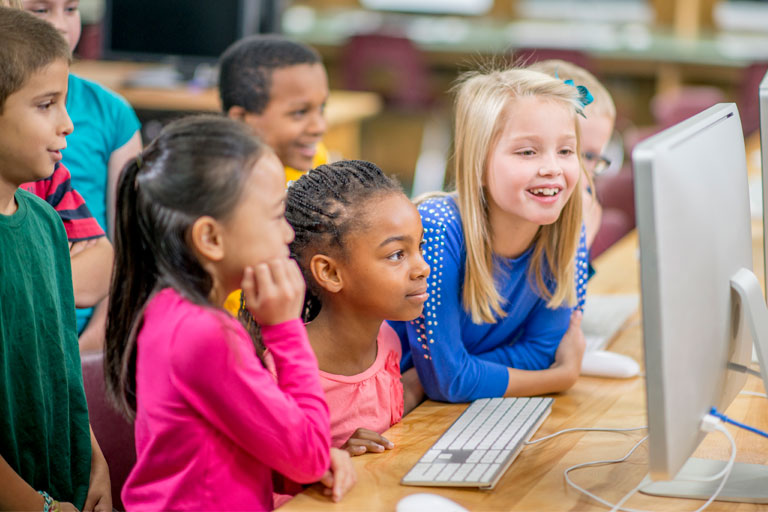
(426, 502)
(601, 363)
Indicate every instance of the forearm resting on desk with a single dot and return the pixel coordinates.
(539, 382)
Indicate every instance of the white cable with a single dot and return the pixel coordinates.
(599, 463)
(753, 393)
(726, 472)
(584, 429)
(723, 475)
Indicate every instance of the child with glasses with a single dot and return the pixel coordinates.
(596, 130)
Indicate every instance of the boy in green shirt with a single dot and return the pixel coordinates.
(49, 459)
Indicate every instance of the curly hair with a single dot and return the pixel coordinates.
(245, 69)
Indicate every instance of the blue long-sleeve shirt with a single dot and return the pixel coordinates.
(457, 360)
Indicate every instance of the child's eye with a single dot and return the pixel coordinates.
(526, 152)
(298, 114)
(45, 106)
(38, 10)
(566, 152)
(71, 10)
(396, 256)
(421, 246)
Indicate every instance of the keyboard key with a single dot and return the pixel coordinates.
(462, 472)
(417, 473)
(430, 456)
(477, 472)
(434, 470)
(490, 456)
(503, 454)
(488, 476)
(447, 472)
(475, 456)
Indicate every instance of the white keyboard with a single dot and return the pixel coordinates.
(481, 444)
(604, 316)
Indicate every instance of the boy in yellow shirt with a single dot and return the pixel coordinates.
(279, 88)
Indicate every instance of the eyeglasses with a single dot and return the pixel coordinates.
(598, 164)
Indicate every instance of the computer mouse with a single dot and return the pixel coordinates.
(424, 502)
(601, 363)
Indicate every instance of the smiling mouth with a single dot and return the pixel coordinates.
(544, 191)
(307, 150)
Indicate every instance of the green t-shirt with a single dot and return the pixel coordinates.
(44, 430)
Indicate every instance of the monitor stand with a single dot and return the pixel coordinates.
(747, 482)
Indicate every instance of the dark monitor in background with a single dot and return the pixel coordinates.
(184, 33)
(459, 7)
(702, 305)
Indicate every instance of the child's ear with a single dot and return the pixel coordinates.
(326, 272)
(207, 240)
(236, 112)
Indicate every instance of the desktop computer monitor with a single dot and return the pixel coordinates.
(701, 304)
(763, 99)
(462, 7)
(186, 33)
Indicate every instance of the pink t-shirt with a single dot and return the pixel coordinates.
(372, 399)
(211, 422)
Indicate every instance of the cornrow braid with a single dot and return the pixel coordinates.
(323, 206)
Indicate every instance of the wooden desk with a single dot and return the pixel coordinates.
(535, 480)
(344, 112)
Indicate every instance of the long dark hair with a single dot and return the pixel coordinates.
(196, 166)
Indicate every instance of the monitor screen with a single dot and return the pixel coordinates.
(465, 7)
(763, 97)
(191, 29)
(694, 228)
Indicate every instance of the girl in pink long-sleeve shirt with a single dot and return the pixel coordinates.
(358, 242)
(199, 214)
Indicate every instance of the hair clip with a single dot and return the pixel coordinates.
(585, 97)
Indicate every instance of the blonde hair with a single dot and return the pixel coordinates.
(564, 70)
(15, 4)
(482, 99)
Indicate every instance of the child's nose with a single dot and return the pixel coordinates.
(57, 20)
(550, 167)
(318, 125)
(421, 270)
(65, 122)
(288, 232)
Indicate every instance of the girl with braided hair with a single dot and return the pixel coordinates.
(212, 423)
(358, 243)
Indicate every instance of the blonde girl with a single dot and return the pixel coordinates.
(507, 249)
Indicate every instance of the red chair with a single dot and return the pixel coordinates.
(748, 101)
(614, 225)
(113, 432)
(389, 65)
(677, 105)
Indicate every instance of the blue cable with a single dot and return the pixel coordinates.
(726, 419)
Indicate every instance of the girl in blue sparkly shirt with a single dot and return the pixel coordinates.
(507, 250)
